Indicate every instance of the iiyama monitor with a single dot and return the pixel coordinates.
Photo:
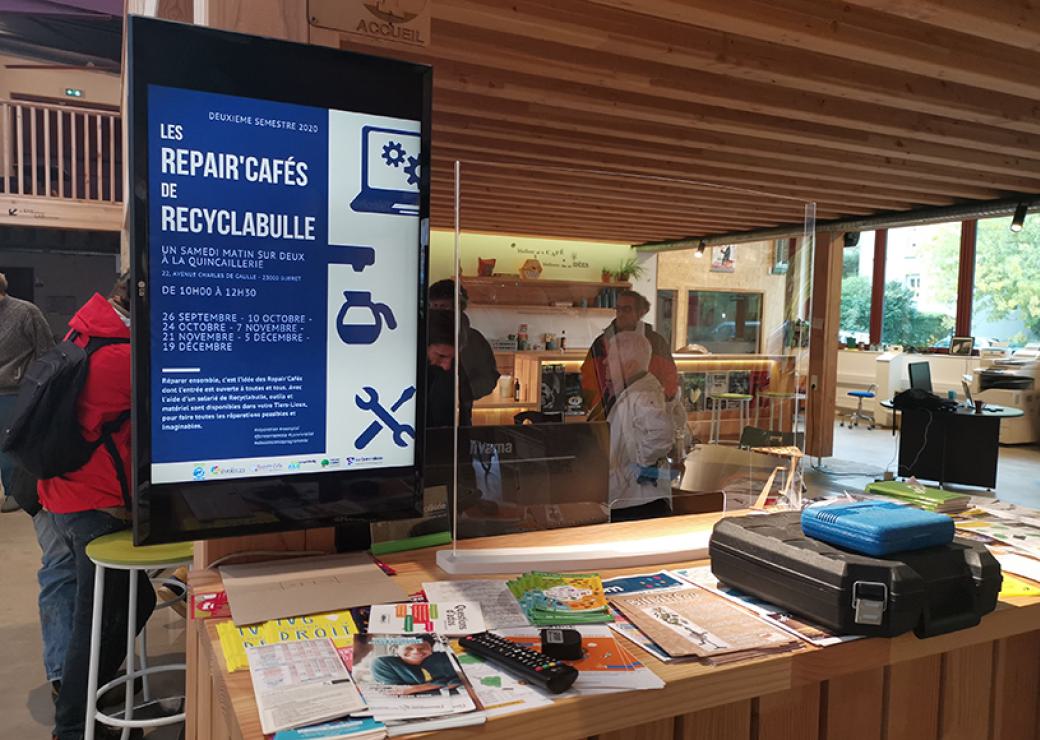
(279, 233)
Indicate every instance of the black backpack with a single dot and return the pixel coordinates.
(42, 434)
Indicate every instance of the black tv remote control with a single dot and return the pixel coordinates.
(530, 665)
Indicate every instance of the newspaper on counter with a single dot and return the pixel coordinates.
(773, 614)
(695, 621)
(659, 581)
(300, 683)
(500, 607)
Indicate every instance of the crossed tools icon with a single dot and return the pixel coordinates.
(384, 417)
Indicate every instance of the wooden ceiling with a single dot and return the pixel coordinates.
(648, 120)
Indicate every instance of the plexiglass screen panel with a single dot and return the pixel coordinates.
(580, 401)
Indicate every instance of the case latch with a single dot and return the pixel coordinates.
(869, 600)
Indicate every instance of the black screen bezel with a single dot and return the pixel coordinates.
(198, 58)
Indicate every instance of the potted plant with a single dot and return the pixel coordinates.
(626, 269)
(606, 275)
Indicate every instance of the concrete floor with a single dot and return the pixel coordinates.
(25, 696)
(860, 456)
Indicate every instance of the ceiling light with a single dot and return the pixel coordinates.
(1019, 219)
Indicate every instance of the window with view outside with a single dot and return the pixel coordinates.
(856, 275)
(1007, 283)
(921, 285)
(724, 323)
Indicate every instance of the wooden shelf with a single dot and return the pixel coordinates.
(500, 404)
(513, 292)
(527, 308)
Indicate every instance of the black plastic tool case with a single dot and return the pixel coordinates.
(932, 591)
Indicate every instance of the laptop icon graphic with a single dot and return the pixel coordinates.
(389, 172)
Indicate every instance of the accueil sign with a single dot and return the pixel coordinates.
(382, 22)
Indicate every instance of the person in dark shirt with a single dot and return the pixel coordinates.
(440, 375)
(418, 668)
(601, 384)
(478, 359)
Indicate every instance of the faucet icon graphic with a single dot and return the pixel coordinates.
(363, 333)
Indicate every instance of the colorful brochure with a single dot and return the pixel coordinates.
(451, 619)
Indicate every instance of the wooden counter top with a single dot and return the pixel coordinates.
(983, 677)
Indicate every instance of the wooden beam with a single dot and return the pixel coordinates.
(585, 26)
(1006, 156)
(848, 32)
(823, 344)
(556, 190)
(632, 185)
(1014, 22)
(877, 286)
(474, 108)
(966, 278)
(805, 189)
(540, 211)
(580, 208)
(504, 52)
(965, 185)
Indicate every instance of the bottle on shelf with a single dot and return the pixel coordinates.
(563, 340)
(516, 389)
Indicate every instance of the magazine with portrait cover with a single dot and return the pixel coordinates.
(406, 677)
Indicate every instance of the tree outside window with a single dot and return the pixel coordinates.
(1007, 283)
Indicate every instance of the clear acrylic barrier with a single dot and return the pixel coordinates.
(562, 419)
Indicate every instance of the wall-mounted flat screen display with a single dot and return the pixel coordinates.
(279, 253)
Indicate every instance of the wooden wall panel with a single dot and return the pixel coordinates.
(663, 729)
(787, 715)
(823, 349)
(1016, 688)
(912, 699)
(967, 680)
(852, 706)
(728, 722)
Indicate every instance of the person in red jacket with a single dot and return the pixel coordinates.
(90, 502)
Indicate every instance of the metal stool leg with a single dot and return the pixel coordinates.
(95, 652)
(146, 690)
(131, 637)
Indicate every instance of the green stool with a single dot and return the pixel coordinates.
(117, 551)
(776, 406)
(720, 403)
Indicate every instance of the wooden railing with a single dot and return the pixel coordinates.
(58, 152)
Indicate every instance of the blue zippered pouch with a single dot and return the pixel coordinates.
(877, 528)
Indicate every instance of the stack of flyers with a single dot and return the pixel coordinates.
(697, 622)
(660, 581)
(340, 627)
(558, 598)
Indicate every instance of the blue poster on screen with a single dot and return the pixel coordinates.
(283, 244)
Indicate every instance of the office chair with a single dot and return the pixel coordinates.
(853, 418)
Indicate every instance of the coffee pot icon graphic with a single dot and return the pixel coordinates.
(366, 332)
